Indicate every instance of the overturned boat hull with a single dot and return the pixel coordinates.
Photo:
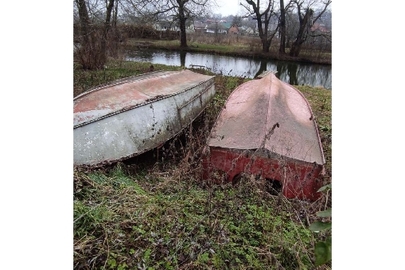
(137, 114)
(267, 129)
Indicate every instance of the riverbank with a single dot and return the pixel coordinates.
(158, 214)
(239, 49)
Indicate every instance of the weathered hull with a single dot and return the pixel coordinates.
(267, 129)
(137, 115)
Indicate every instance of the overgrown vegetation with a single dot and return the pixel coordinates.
(154, 212)
(323, 249)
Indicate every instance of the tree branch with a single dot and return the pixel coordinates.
(327, 3)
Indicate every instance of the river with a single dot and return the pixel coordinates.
(290, 72)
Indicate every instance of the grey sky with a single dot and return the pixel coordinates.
(228, 7)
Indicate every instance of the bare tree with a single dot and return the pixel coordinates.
(92, 53)
(140, 11)
(106, 29)
(292, 25)
(306, 19)
(282, 27)
(237, 20)
(115, 35)
(263, 20)
(179, 10)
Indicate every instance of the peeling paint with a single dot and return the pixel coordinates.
(267, 123)
(139, 109)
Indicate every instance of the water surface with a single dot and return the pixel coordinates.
(290, 72)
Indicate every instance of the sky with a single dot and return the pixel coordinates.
(228, 7)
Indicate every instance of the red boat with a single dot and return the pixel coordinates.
(267, 129)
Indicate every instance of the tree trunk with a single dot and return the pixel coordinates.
(302, 33)
(115, 16)
(87, 47)
(84, 21)
(182, 58)
(295, 48)
(292, 73)
(263, 33)
(263, 68)
(92, 53)
(266, 45)
(182, 20)
(282, 27)
(107, 26)
(114, 35)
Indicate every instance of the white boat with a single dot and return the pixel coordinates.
(133, 115)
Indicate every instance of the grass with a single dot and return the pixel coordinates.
(200, 46)
(152, 213)
(168, 222)
(233, 46)
(215, 47)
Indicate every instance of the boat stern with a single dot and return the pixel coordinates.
(292, 178)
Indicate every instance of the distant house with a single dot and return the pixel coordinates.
(216, 27)
(234, 30)
(247, 30)
(212, 26)
(225, 24)
(319, 27)
(166, 25)
(199, 27)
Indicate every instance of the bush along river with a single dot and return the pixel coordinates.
(290, 72)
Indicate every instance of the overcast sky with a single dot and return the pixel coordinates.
(228, 7)
(231, 7)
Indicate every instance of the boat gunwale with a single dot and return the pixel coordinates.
(210, 81)
(138, 77)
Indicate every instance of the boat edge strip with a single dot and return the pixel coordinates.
(209, 83)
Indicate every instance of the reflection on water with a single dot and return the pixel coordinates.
(292, 73)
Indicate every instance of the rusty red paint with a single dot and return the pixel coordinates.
(299, 180)
(267, 129)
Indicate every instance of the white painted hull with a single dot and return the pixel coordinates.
(144, 127)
